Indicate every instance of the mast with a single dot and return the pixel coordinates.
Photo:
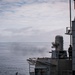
(70, 21)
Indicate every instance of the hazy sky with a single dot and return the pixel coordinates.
(32, 20)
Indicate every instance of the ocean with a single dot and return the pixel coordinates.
(14, 55)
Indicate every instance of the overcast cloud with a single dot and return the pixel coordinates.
(29, 20)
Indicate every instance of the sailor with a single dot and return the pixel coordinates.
(70, 51)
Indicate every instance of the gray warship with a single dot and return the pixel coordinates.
(60, 63)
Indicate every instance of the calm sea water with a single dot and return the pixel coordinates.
(14, 55)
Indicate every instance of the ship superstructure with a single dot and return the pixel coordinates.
(58, 64)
